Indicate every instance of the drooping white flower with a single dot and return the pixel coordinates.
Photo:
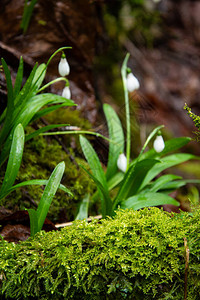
(159, 144)
(63, 66)
(66, 93)
(122, 162)
(132, 82)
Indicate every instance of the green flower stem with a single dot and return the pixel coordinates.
(78, 132)
(128, 125)
(59, 50)
(52, 82)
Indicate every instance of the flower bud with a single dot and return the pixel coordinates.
(122, 162)
(159, 144)
(63, 67)
(66, 92)
(132, 82)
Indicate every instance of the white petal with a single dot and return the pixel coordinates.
(159, 144)
(122, 162)
(66, 93)
(63, 67)
(132, 82)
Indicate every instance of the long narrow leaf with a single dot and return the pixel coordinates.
(83, 208)
(93, 161)
(36, 103)
(33, 216)
(48, 110)
(106, 202)
(98, 175)
(161, 182)
(19, 78)
(148, 199)
(167, 162)
(28, 10)
(117, 136)
(33, 182)
(10, 104)
(49, 192)
(15, 158)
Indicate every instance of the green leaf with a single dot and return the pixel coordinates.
(106, 203)
(15, 158)
(174, 185)
(19, 78)
(33, 182)
(165, 163)
(48, 110)
(8, 113)
(93, 161)
(28, 10)
(117, 136)
(148, 199)
(133, 179)
(36, 103)
(49, 192)
(161, 182)
(33, 216)
(8, 82)
(83, 208)
(39, 77)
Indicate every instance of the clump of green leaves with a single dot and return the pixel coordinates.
(26, 104)
(139, 186)
(135, 255)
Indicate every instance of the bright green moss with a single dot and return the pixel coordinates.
(136, 255)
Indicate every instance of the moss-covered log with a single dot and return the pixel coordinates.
(137, 255)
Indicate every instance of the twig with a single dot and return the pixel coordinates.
(187, 254)
(99, 217)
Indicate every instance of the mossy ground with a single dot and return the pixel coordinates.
(136, 255)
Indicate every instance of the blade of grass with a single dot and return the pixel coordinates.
(10, 103)
(19, 78)
(28, 11)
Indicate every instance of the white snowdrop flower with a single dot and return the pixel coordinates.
(63, 66)
(132, 82)
(156, 1)
(159, 144)
(66, 93)
(122, 162)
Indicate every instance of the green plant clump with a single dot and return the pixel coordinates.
(146, 254)
(39, 159)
